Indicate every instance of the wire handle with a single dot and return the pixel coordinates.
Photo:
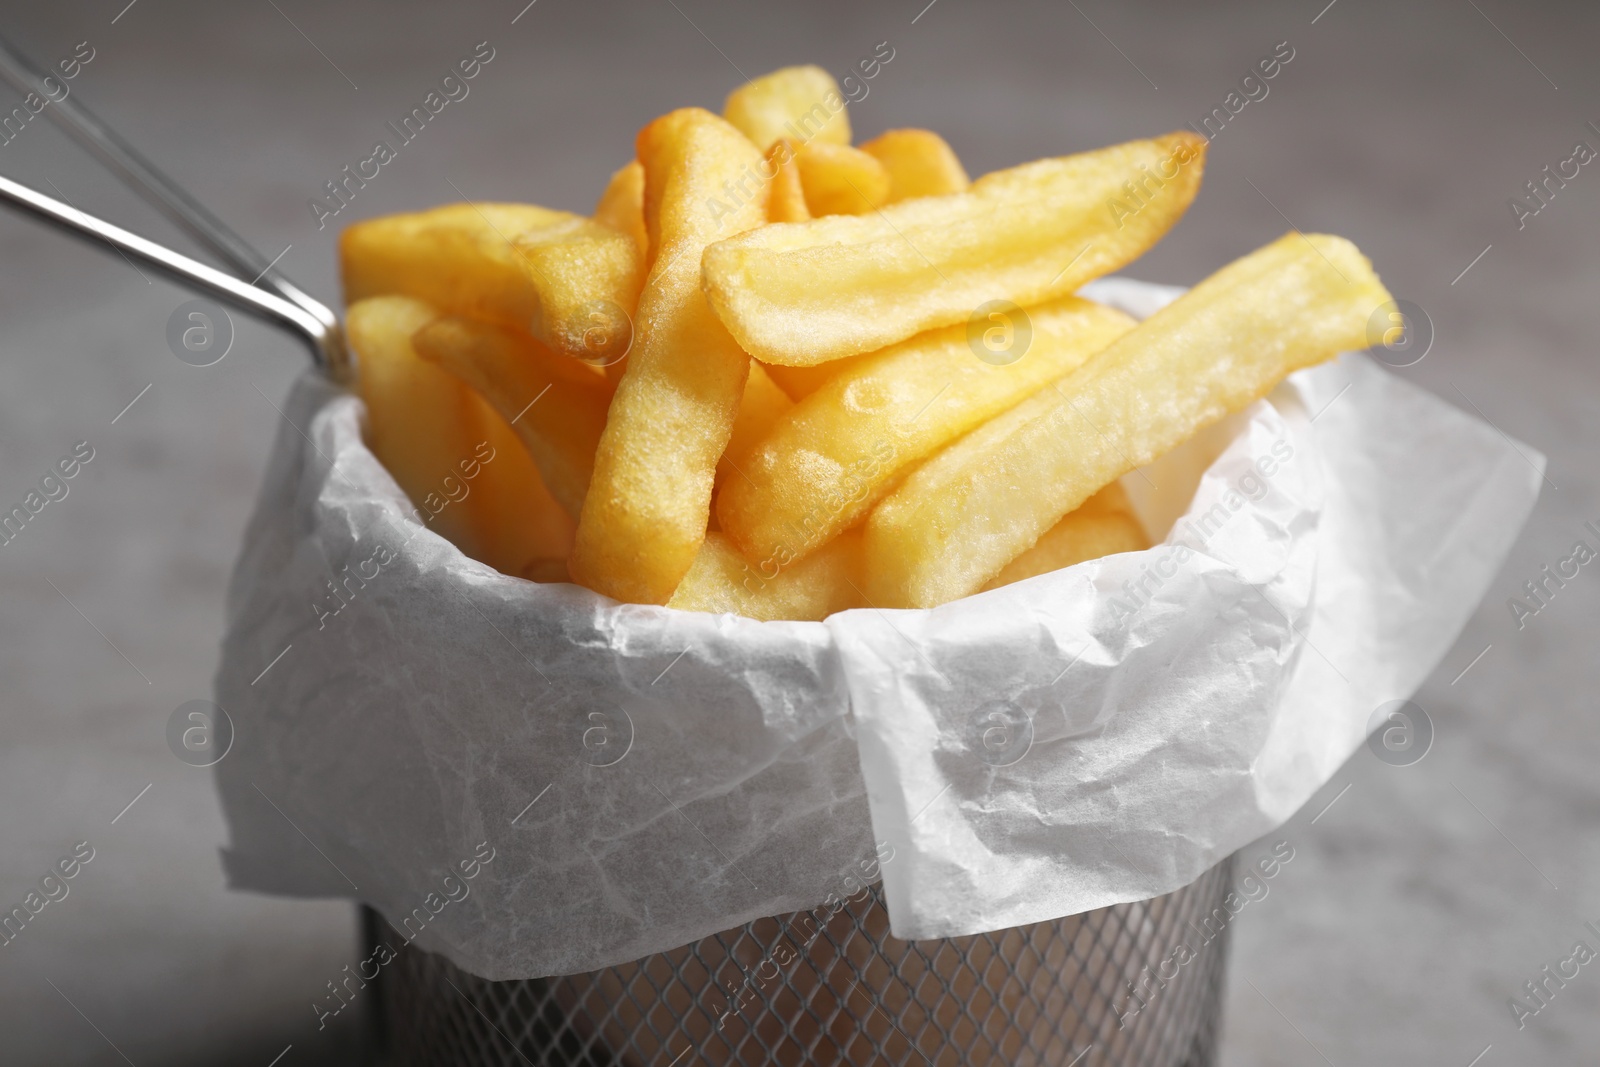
(270, 296)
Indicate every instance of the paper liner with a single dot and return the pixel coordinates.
(639, 777)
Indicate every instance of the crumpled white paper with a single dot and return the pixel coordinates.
(642, 777)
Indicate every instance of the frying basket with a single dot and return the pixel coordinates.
(1101, 989)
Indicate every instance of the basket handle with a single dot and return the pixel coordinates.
(270, 296)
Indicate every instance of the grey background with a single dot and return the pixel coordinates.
(1415, 905)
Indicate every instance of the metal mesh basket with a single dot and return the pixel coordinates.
(807, 990)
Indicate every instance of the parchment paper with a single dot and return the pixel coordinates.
(642, 777)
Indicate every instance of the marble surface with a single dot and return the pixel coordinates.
(1420, 897)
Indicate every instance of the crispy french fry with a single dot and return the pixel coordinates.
(801, 103)
(808, 292)
(953, 524)
(558, 421)
(458, 257)
(516, 265)
(519, 522)
(787, 199)
(840, 180)
(552, 569)
(463, 467)
(670, 420)
(810, 589)
(1103, 525)
(762, 405)
(588, 284)
(419, 420)
(825, 464)
(919, 162)
(621, 206)
(801, 382)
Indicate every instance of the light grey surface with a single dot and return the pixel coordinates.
(1415, 906)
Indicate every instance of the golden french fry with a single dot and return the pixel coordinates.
(919, 162)
(762, 405)
(953, 524)
(458, 257)
(808, 292)
(419, 420)
(669, 422)
(588, 284)
(552, 273)
(519, 522)
(621, 206)
(787, 200)
(801, 382)
(840, 180)
(838, 452)
(546, 570)
(1103, 525)
(811, 589)
(463, 467)
(558, 421)
(800, 103)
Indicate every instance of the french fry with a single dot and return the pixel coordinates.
(1103, 525)
(621, 206)
(956, 521)
(419, 420)
(458, 257)
(559, 422)
(837, 453)
(807, 292)
(800, 103)
(588, 284)
(919, 162)
(669, 422)
(516, 265)
(720, 580)
(762, 405)
(546, 570)
(787, 199)
(519, 522)
(840, 180)
(468, 475)
(801, 382)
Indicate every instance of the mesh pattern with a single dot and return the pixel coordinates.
(809, 989)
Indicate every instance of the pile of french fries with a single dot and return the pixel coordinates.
(768, 375)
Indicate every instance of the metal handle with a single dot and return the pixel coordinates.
(248, 298)
(286, 304)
